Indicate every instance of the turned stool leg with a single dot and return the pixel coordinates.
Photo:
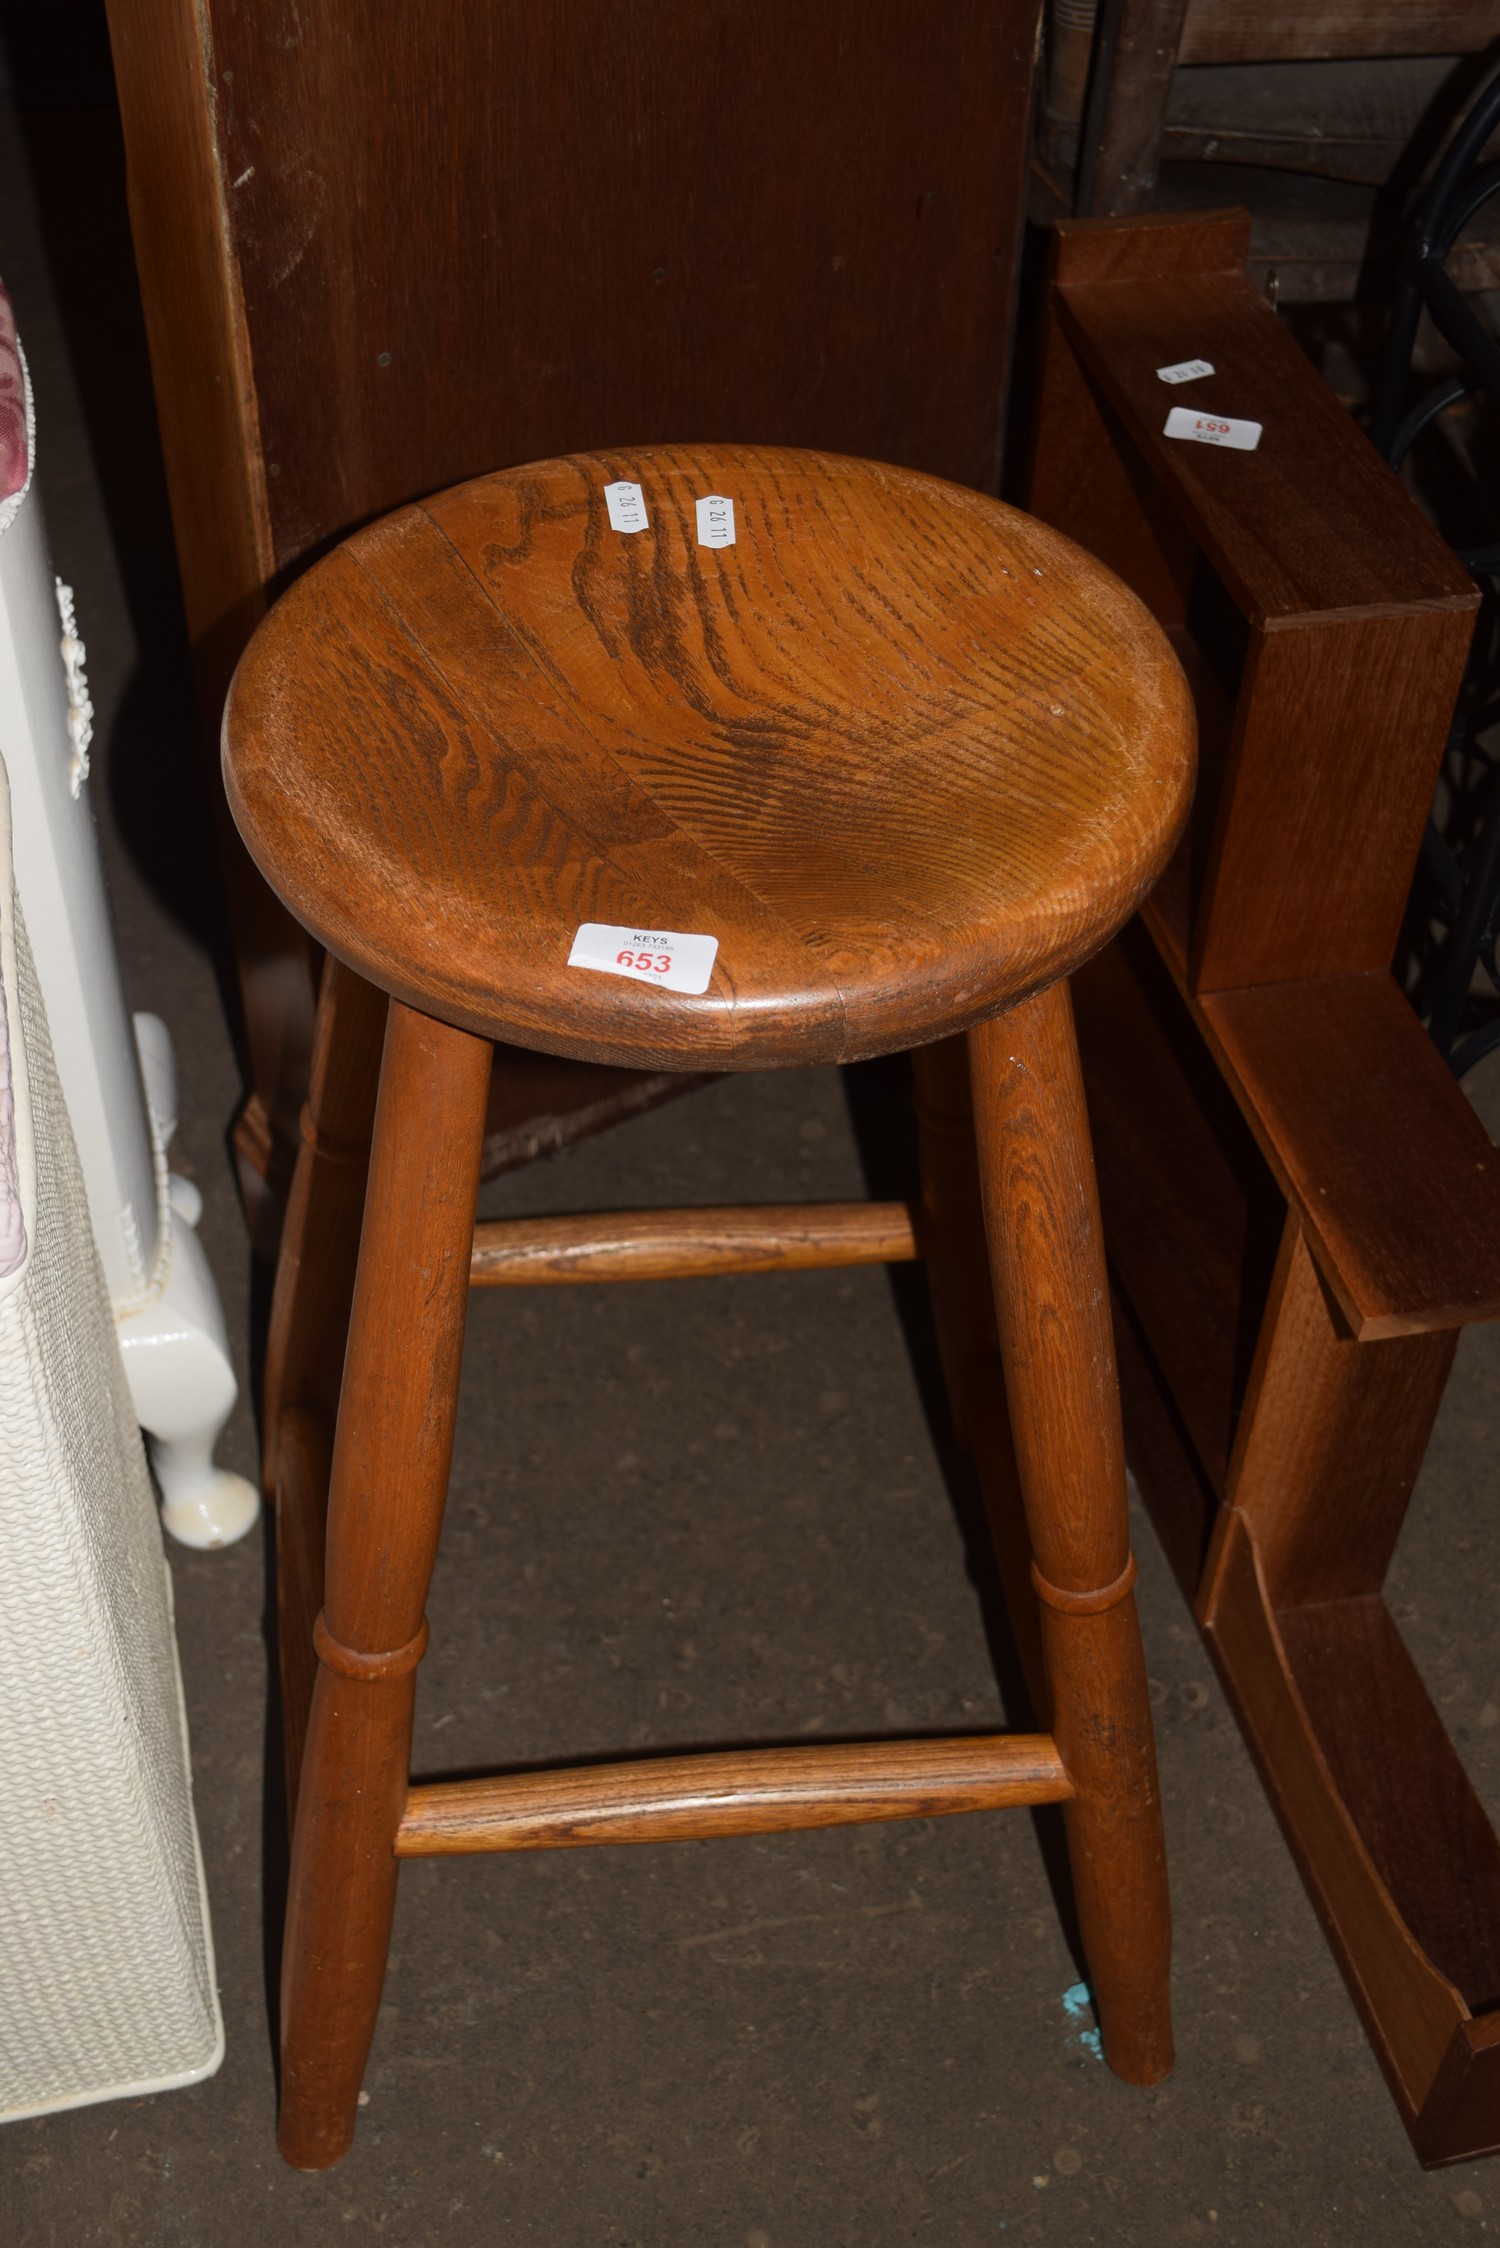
(1052, 1300)
(310, 1321)
(963, 1312)
(390, 1478)
(963, 1302)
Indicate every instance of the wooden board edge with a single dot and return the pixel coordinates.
(210, 427)
(1150, 246)
(1239, 1628)
(1368, 1320)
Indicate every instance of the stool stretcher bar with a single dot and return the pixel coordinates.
(744, 1791)
(690, 1244)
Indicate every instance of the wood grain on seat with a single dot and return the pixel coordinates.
(904, 752)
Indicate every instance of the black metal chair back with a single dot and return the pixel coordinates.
(1458, 879)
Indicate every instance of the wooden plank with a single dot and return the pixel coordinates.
(1460, 2117)
(1179, 1496)
(1331, 1438)
(689, 1244)
(1438, 2061)
(1309, 522)
(1157, 246)
(1311, 237)
(1284, 30)
(1188, 1204)
(598, 226)
(1389, 1168)
(195, 317)
(1359, 617)
(1135, 57)
(740, 1791)
(1346, 119)
(1402, 1783)
(1409, 2008)
(1088, 480)
(206, 392)
(1315, 841)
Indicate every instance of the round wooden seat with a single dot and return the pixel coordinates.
(904, 753)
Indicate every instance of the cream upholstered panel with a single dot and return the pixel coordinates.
(106, 1956)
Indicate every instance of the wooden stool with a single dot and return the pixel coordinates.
(893, 759)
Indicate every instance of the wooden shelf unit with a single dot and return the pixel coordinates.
(1301, 1208)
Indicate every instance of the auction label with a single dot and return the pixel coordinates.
(1212, 429)
(627, 507)
(647, 956)
(1186, 370)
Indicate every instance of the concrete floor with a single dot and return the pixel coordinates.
(696, 1514)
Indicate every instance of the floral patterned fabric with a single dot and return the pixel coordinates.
(14, 452)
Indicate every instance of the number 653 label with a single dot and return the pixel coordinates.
(659, 957)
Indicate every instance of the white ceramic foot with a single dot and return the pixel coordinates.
(183, 1389)
(202, 1505)
(175, 1348)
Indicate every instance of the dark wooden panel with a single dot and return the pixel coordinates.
(1155, 247)
(382, 250)
(1331, 1439)
(1393, 1174)
(1409, 2008)
(1179, 1497)
(1347, 119)
(1334, 757)
(1461, 2117)
(200, 364)
(1190, 1214)
(588, 225)
(1359, 616)
(1129, 104)
(1281, 30)
(1400, 1778)
(1357, 625)
(1090, 482)
(179, 216)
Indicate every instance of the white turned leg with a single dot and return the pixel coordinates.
(167, 1312)
(183, 1388)
(202, 1505)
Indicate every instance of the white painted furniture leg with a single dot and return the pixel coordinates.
(174, 1345)
(170, 1323)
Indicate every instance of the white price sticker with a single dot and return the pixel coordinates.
(647, 956)
(1212, 429)
(715, 521)
(1186, 370)
(627, 507)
